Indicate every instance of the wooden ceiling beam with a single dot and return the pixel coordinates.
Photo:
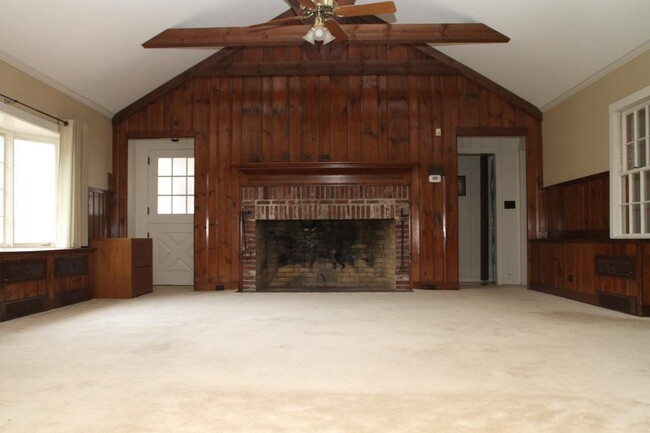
(327, 67)
(357, 33)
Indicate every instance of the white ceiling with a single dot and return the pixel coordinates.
(92, 49)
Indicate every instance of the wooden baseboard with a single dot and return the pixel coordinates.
(436, 286)
(563, 293)
(645, 310)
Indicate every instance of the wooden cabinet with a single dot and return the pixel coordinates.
(122, 267)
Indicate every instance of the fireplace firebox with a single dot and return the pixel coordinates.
(325, 254)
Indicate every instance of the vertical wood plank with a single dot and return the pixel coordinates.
(267, 122)
(495, 113)
(469, 108)
(280, 120)
(201, 124)
(370, 119)
(182, 107)
(339, 119)
(354, 118)
(227, 116)
(296, 138)
(251, 120)
(397, 119)
(311, 110)
(383, 118)
(324, 119)
(156, 119)
(413, 119)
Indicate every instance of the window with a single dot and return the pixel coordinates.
(175, 186)
(28, 168)
(630, 166)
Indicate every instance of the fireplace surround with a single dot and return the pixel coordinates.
(363, 210)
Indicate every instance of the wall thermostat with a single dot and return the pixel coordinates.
(435, 178)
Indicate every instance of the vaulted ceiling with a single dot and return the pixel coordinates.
(92, 50)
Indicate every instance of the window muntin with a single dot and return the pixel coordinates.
(630, 166)
(175, 186)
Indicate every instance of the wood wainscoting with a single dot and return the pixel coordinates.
(578, 260)
(36, 281)
(99, 213)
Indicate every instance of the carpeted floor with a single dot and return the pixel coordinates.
(475, 360)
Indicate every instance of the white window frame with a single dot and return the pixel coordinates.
(9, 141)
(617, 161)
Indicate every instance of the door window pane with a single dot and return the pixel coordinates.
(180, 186)
(179, 206)
(164, 186)
(180, 166)
(165, 205)
(164, 167)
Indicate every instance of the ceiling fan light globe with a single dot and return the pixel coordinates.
(309, 37)
(329, 37)
(319, 33)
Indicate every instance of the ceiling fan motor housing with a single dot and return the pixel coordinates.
(324, 10)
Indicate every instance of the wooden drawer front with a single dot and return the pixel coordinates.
(141, 253)
(22, 270)
(71, 265)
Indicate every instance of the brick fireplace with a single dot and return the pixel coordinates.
(325, 237)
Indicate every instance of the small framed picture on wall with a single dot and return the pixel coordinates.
(462, 186)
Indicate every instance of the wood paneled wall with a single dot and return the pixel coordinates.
(334, 118)
(99, 216)
(575, 223)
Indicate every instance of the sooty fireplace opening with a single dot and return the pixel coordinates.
(325, 254)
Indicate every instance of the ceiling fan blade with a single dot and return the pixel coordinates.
(308, 4)
(336, 30)
(423, 33)
(367, 9)
(356, 33)
(278, 22)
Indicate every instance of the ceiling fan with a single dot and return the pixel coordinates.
(327, 22)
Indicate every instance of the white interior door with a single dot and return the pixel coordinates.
(164, 207)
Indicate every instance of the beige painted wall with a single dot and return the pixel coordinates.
(576, 132)
(23, 87)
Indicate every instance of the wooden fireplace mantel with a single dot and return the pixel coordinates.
(318, 173)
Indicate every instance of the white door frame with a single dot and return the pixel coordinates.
(499, 146)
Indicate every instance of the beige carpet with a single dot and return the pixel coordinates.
(475, 360)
